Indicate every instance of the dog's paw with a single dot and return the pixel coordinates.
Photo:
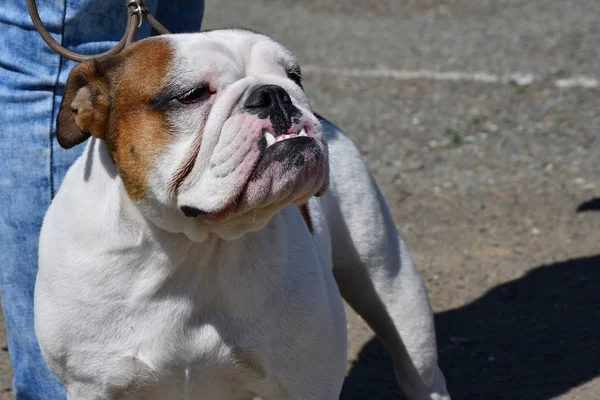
(436, 390)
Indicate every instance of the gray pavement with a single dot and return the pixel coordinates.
(484, 179)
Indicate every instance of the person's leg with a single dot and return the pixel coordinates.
(32, 165)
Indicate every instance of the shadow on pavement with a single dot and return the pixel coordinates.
(532, 338)
(590, 205)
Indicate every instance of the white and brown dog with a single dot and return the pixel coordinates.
(175, 262)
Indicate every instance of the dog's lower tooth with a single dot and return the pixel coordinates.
(302, 133)
(269, 138)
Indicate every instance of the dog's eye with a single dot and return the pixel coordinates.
(196, 95)
(296, 77)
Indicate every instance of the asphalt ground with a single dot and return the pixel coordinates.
(481, 122)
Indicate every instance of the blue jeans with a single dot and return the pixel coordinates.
(32, 164)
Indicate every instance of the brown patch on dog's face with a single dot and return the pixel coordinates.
(111, 100)
(138, 132)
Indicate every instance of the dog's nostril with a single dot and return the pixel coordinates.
(285, 98)
(191, 211)
(263, 100)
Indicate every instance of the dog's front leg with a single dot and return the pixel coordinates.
(376, 274)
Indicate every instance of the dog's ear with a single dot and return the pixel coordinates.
(85, 105)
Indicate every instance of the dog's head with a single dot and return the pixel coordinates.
(210, 132)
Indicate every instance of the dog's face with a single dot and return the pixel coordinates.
(210, 132)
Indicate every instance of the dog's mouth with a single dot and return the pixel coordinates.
(271, 139)
(284, 169)
(286, 148)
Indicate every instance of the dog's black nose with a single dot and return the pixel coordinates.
(191, 211)
(268, 96)
(272, 101)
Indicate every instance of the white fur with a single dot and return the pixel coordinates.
(130, 308)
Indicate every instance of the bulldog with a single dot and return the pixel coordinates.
(201, 245)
